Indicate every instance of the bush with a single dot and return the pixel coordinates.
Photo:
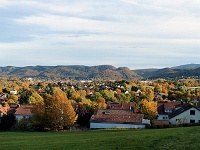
(23, 125)
(7, 122)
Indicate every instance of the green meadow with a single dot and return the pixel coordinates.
(161, 139)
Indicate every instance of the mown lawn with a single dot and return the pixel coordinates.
(174, 138)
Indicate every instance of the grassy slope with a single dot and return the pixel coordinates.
(174, 138)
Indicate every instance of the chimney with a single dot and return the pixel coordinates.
(121, 104)
(132, 109)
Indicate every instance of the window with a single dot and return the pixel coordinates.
(192, 112)
(192, 121)
(169, 111)
(106, 112)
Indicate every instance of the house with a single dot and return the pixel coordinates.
(165, 108)
(14, 92)
(23, 112)
(185, 114)
(116, 119)
(3, 97)
(178, 113)
(118, 115)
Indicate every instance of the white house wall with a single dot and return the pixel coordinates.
(113, 125)
(161, 117)
(186, 117)
(19, 117)
(146, 121)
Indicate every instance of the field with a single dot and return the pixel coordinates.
(174, 138)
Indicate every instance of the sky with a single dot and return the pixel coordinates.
(137, 34)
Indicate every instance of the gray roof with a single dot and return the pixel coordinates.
(182, 109)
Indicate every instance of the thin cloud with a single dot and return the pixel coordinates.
(131, 33)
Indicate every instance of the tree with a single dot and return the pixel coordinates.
(134, 88)
(35, 98)
(95, 96)
(101, 103)
(84, 111)
(7, 122)
(24, 96)
(108, 95)
(118, 91)
(55, 113)
(148, 109)
(158, 88)
(149, 94)
(123, 97)
(13, 98)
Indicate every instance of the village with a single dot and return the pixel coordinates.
(107, 104)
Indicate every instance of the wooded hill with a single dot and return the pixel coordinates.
(189, 70)
(102, 72)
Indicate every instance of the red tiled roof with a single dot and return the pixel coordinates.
(122, 106)
(171, 105)
(24, 110)
(117, 116)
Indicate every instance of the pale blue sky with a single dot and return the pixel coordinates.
(131, 33)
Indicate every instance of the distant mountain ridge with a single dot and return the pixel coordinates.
(187, 66)
(77, 72)
(101, 72)
(187, 70)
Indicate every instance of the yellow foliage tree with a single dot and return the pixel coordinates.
(149, 94)
(14, 98)
(35, 98)
(101, 103)
(148, 108)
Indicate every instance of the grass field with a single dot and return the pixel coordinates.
(162, 139)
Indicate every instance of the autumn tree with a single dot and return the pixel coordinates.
(118, 91)
(56, 112)
(101, 103)
(148, 108)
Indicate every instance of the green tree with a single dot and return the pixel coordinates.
(24, 96)
(84, 111)
(96, 96)
(7, 122)
(149, 94)
(158, 88)
(108, 95)
(35, 98)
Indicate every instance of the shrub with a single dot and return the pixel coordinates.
(23, 125)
